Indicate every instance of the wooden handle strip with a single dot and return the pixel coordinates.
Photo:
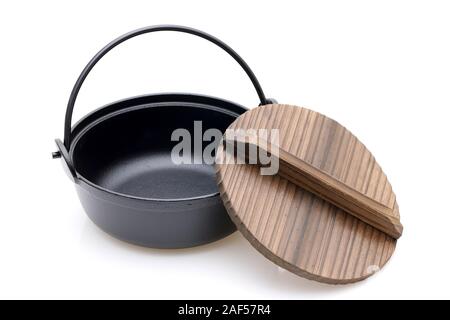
(325, 186)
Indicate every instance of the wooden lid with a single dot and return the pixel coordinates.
(297, 230)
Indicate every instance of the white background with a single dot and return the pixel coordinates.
(381, 68)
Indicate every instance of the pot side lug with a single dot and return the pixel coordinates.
(64, 155)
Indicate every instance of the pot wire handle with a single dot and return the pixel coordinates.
(137, 32)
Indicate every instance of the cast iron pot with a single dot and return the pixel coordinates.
(119, 158)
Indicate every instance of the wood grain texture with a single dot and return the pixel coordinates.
(290, 226)
(318, 182)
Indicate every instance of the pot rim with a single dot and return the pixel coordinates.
(126, 105)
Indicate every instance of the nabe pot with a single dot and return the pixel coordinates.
(119, 158)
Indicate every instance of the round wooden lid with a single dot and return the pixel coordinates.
(294, 228)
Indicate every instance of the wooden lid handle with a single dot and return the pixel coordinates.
(325, 186)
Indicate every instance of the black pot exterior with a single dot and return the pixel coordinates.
(156, 223)
(178, 224)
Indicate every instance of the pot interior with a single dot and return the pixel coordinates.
(131, 152)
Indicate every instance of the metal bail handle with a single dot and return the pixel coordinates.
(132, 34)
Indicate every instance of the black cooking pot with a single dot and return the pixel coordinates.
(119, 158)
